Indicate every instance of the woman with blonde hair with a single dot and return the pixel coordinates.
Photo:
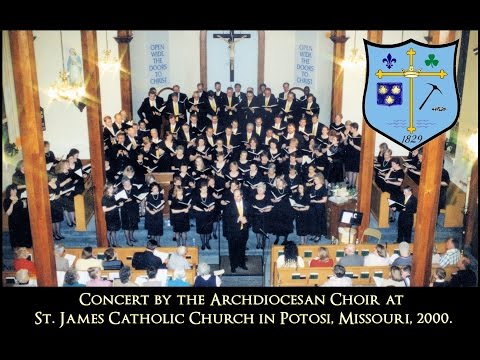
(318, 213)
(323, 259)
(112, 216)
(180, 218)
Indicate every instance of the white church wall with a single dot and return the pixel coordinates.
(66, 126)
(110, 94)
(280, 65)
(279, 59)
(182, 60)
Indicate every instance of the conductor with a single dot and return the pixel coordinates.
(236, 222)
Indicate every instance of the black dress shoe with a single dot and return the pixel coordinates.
(174, 239)
(232, 269)
(203, 247)
(208, 247)
(61, 237)
(215, 236)
(69, 225)
(244, 267)
(391, 220)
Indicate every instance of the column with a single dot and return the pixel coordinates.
(123, 39)
(338, 37)
(95, 138)
(365, 177)
(427, 208)
(31, 137)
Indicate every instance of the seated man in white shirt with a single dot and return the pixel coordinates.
(452, 255)
(377, 258)
(339, 278)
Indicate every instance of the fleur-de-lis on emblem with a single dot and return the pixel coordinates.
(389, 60)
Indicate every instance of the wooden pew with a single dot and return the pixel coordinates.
(165, 180)
(308, 252)
(190, 275)
(361, 275)
(126, 254)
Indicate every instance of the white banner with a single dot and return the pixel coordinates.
(305, 59)
(156, 56)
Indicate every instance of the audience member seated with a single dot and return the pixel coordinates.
(406, 273)
(178, 279)
(125, 275)
(177, 261)
(405, 257)
(439, 278)
(22, 279)
(452, 255)
(290, 258)
(395, 280)
(323, 259)
(146, 259)
(96, 277)
(204, 278)
(111, 262)
(23, 261)
(377, 258)
(339, 278)
(87, 260)
(350, 258)
(71, 279)
(60, 262)
(152, 278)
(465, 276)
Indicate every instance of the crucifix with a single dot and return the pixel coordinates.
(231, 39)
(411, 74)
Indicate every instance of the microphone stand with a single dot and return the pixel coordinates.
(267, 241)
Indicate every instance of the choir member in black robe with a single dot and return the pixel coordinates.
(49, 156)
(17, 221)
(270, 107)
(407, 209)
(130, 210)
(180, 207)
(112, 216)
(302, 214)
(203, 203)
(282, 97)
(154, 212)
(335, 155)
(383, 168)
(182, 98)
(393, 183)
(238, 93)
(414, 168)
(337, 124)
(213, 106)
(250, 110)
(151, 110)
(65, 181)
(230, 107)
(352, 155)
(56, 208)
(309, 108)
(176, 108)
(290, 110)
(281, 214)
(318, 216)
(197, 106)
(261, 209)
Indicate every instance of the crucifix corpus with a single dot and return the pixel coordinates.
(231, 39)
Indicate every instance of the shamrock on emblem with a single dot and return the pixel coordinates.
(431, 61)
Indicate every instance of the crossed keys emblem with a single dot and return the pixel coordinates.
(411, 74)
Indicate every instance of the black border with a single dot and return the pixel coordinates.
(385, 46)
